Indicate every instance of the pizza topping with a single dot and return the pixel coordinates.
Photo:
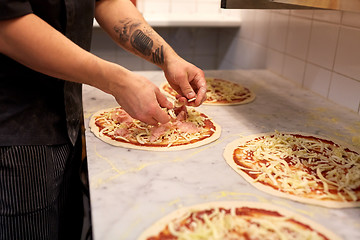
(179, 122)
(191, 99)
(302, 165)
(187, 125)
(122, 132)
(219, 91)
(181, 115)
(237, 223)
(158, 131)
(121, 117)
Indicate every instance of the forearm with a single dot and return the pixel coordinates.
(123, 22)
(32, 42)
(35, 44)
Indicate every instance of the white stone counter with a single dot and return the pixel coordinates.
(131, 189)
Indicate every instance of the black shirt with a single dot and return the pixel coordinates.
(36, 109)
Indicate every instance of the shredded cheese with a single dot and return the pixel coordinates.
(305, 166)
(219, 90)
(140, 133)
(222, 225)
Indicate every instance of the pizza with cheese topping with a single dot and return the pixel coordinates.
(235, 221)
(188, 128)
(219, 92)
(299, 166)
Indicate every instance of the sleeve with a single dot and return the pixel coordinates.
(14, 8)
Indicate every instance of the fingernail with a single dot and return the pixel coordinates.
(191, 95)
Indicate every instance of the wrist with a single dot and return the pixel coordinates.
(170, 58)
(110, 77)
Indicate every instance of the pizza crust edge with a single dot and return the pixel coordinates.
(228, 156)
(155, 228)
(95, 130)
(250, 99)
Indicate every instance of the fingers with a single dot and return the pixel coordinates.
(181, 100)
(143, 101)
(153, 115)
(193, 88)
(185, 87)
(201, 96)
(161, 116)
(163, 101)
(199, 84)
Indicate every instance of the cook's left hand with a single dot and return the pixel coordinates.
(186, 79)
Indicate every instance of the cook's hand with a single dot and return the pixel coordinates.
(142, 100)
(187, 80)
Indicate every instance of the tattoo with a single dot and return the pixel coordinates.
(125, 29)
(128, 31)
(141, 42)
(158, 55)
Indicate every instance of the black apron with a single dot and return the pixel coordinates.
(36, 109)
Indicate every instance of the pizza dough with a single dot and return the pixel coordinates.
(298, 166)
(114, 126)
(235, 220)
(219, 92)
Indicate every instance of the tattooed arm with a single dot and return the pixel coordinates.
(126, 26)
(59, 57)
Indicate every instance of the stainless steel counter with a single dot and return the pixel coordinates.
(131, 189)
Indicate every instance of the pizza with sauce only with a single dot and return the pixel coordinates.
(219, 92)
(299, 166)
(188, 128)
(235, 220)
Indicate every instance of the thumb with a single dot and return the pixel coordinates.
(186, 88)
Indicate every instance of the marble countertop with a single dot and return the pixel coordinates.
(131, 189)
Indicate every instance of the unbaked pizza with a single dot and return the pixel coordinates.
(235, 221)
(219, 92)
(188, 128)
(299, 166)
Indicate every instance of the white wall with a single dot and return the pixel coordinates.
(318, 50)
(178, 6)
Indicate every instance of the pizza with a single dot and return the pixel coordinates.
(299, 166)
(219, 92)
(235, 220)
(188, 128)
